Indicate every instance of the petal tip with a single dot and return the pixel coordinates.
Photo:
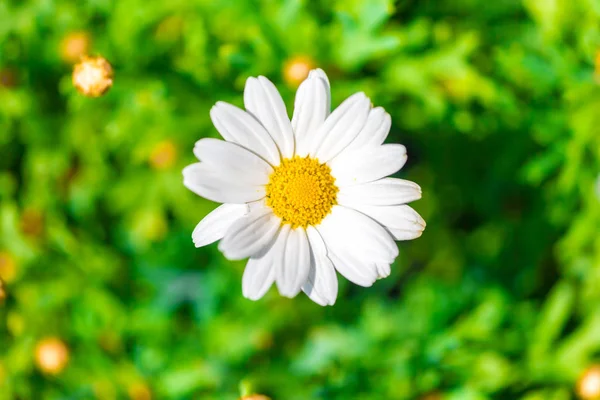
(251, 297)
(288, 291)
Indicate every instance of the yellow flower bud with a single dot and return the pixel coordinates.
(296, 70)
(256, 397)
(74, 46)
(8, 267)
(163, 155)
(51, 355)
(93, 76)
(588, 385)
(139, 391)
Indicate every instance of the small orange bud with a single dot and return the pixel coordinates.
(8, 267)
(139, 391)
(163, 155)
(93, 76)
(32, 222)
(588, 385)
(74, 46)
(255, 397)
(296, 70)
(51, 355)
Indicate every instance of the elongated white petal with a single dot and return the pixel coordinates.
(214, 226)
(359, 271)
(355, 243)
(383, 270)
(311, 108)
(250, 234)
(233, 159)
(359, 232)
(367, 165)
(319, 73)
(401, 221)
(386, 191)
(322, 284)
(401, 234)
(206, 181)
(237, 126)
(258, 277)
(375, 130)
(293, 271)
(262, 99)
(341, 127)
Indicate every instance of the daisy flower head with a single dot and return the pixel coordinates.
(304, 198)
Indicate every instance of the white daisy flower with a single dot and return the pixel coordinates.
(306, 197)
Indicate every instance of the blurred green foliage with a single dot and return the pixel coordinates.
(498, 103)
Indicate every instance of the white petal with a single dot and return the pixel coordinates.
(214, 226)
(386, 191)
(366, 165)
(357, 271)
(375, 130)
(341, 127)
(319, 73)
(322, 284)
(237, 126)
(355, 243)
(258, 277)
(250, 234)
(293, 271)
(311, 108)
(383, 270)
(402, 234)
(233, 159)
(207, 182)
(262, 99)
(401, 221)
(360, 232)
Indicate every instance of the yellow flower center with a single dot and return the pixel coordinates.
(301, 191)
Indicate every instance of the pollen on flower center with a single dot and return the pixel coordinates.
(301, 191)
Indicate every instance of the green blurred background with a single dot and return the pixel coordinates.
(105, 296)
